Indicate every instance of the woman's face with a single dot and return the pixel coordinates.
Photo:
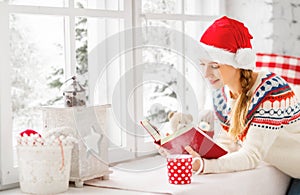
(217, 74)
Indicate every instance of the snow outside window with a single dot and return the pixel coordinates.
(172, 81)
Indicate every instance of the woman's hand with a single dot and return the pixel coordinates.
(196, 164)
(163, 152)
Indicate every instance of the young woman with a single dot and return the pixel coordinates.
(258, 110)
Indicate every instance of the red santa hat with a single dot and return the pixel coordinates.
(227, 41)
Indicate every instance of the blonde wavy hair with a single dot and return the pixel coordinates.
(240, 109)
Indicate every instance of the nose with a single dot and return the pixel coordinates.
(207, 71)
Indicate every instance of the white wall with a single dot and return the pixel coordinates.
(286, 15)
(274, 24)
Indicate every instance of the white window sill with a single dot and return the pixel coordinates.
(85, 190)
(149, 176)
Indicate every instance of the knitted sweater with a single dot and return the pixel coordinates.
(273, 128)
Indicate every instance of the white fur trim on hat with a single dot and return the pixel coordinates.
(244, 58)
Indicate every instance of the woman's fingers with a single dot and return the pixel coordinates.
(192, 152)
(196, 164)
(163, 152)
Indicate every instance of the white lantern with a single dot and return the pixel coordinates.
(74, 94)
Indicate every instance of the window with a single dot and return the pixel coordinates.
(44, 43)
(172, 81)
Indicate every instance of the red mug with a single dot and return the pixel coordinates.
(180, 168)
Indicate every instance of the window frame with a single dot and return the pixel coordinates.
(9, 173)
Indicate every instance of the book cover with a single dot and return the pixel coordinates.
(190, 135)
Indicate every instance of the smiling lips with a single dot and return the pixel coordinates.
(214, 81)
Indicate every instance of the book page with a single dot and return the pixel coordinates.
(152, 130)
(176, 134)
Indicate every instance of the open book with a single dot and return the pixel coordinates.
(190, 135)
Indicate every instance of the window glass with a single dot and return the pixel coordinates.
(52, 3)
(100, 60)
(174, 83)
(161, 6)
(37, 60)
(114, 5)
(196, 7)
(163, 67)
(81, 51)
(194, 74)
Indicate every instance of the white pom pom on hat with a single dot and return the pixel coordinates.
(227, 41)
(245, 56)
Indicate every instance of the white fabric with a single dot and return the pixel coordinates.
(264, 179)
(225, 141)
(237, 60)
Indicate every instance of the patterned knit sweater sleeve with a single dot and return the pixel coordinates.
(269, 113)
(254, 148)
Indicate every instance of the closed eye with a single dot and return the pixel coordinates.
(214, 65)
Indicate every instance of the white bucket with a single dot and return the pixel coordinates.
(44, 169)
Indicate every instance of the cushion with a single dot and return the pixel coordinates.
(288, 67)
